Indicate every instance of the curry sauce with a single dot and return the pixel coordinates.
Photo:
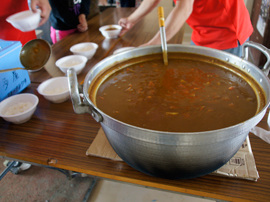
(191, 94)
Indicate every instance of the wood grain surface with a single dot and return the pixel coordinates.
(58, 137)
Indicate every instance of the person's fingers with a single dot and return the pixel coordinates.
(123, 31)
(34, 6)
(45, 14)
(45, 8)
(82, 28)
(42, 22)
(44, 18)
(123, 22)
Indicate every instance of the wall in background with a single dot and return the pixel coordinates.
(249, 5)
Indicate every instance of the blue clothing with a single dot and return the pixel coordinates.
(236, 51)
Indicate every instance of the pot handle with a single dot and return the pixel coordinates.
(260, 47)
(75, 90)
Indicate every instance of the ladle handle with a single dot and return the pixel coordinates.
(260, 47)
(161, 21)
(12, 69)
(161, 17)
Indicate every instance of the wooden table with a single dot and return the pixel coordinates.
(58, 137)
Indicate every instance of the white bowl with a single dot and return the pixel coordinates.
(86, 49)
(120, 50)
(110, 33)
(25, 21)
(15, 100)
(55, 89)
(76, 61)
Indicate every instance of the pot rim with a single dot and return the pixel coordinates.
(216, 54)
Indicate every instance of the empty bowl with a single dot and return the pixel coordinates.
(25, 21)
(18, 108)
(110, 31)
(87, 49)
(72, 61)
(55, 89)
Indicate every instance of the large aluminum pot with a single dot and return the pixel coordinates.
(167, 154)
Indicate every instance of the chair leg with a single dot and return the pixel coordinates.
(90, 189)
(13, 166)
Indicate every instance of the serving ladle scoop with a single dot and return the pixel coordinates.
(33, 55)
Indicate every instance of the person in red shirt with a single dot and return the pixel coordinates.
(220, 24)
(9, 7)
(8, 32)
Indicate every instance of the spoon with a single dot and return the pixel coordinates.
(33, 56)
(162, 34)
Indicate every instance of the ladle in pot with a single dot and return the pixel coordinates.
(33, 56)
(162, 34)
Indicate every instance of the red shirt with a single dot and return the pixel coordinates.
(220, 24)
(7, 31)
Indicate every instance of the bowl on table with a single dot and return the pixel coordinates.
(87, 49)
(55, 89)
(72, 61)
(18, 108)
(25, 21)
(110, 31)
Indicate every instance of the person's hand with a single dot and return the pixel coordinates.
(83, 26)
(45, 8)
(102, 2)
(126, 25)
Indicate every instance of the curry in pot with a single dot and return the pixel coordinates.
(192, 94)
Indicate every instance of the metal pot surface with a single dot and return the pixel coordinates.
(166, 154)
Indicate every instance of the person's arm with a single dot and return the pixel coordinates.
(45, 8)
(174, 21)
(83, 26)
(146, 7)
(85, 7)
